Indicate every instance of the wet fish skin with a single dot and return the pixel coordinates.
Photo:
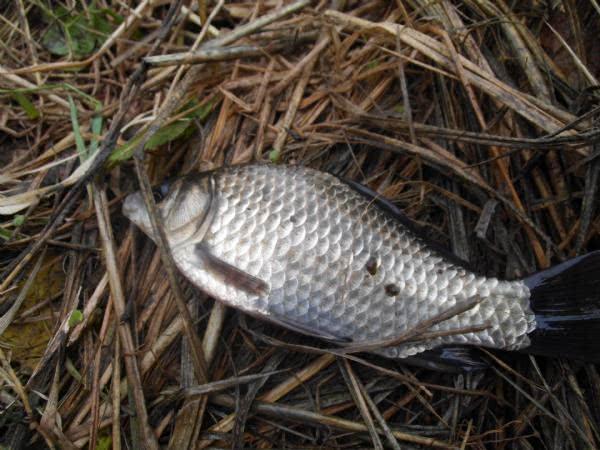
(332, 263)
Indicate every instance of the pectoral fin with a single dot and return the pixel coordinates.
(229, 274)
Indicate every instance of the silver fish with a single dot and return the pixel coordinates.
(306, 250)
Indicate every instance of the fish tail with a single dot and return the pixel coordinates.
(566, 303)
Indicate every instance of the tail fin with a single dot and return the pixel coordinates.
(566, 303)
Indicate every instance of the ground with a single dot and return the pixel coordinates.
(479, 119)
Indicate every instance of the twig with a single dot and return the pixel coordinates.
(303, 416)
(357, 395)
(131, 365)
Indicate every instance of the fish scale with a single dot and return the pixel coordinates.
(338, 266)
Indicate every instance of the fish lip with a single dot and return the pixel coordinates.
(131, 205)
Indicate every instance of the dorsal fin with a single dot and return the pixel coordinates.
(396, 213)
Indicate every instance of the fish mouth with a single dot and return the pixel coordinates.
(132, 206)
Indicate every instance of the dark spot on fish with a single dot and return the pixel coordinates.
(372, 265)
(440, 271)
(293, 219)
(392, 290)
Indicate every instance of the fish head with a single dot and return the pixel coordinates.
(183, 205)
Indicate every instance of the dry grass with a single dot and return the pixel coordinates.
(479, 118)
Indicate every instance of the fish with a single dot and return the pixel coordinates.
(329, 258)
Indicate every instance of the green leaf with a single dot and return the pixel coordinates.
(125, 151)
(91, 100)
(274, 155)
(55, 41)
(4, 234)
(76, 33)
(26, 104)
(168, 134)
(202, 112)
(83, 41)
(18, 220)
(96, 131)
(83, 154)
(165, 134)
(104, 443)
(75, 318)
(116, 17)
(72, 370)
(399, 108)
(100, 24)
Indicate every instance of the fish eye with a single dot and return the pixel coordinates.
(160, 192)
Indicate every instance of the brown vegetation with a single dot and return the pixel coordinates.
(479, 118)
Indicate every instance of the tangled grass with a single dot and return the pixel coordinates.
(478, 118)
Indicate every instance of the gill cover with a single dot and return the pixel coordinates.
(187, 207)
